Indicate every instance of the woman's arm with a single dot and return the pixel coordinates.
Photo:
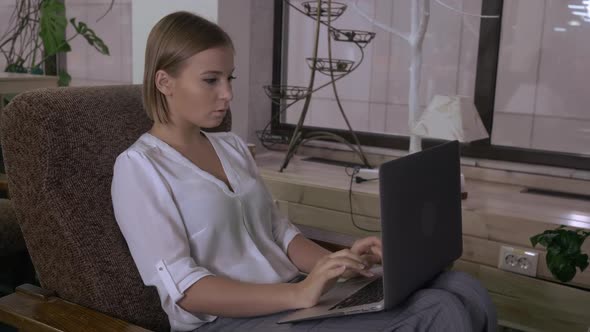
(305, 253)
(225, 297)
(221, 296)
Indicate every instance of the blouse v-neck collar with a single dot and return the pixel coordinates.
(229, 173)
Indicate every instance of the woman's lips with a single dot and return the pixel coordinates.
(219, 112)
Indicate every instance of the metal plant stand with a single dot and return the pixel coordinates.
(324, 12)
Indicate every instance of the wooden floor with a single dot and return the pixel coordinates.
(496, 212)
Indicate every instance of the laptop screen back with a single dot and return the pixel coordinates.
(420, 218)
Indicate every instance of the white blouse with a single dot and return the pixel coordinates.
(182, 224)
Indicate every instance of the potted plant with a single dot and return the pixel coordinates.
(37, 33)
(563, 251)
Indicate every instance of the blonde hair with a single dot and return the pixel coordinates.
(174, 39)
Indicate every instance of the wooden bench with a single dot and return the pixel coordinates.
(315, 196)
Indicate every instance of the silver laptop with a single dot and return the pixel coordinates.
(421, 232)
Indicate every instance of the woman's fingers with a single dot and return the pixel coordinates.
(350, 265)
(335, 272)
(356, 261)
(371, 259)
(336, 262)
(371, 247)
(348, 254)
(366, 244)
(378, 252)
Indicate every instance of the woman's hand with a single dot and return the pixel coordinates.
(369, 250)
(325, 274)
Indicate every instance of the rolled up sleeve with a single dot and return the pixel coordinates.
(147, 215)
(283, 230)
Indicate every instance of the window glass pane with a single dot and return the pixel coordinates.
(375, 96)
(84, 63)
(542, 93)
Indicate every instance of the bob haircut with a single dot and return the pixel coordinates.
(174, 39)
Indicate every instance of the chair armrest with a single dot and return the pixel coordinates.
(32, 308)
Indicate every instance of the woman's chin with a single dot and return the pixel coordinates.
(212, 123)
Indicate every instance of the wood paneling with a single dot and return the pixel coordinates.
(476, 249)
(496, 213)
(530, 304)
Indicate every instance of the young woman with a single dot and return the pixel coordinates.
(202, 227)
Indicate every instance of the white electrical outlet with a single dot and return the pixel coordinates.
(523, 261)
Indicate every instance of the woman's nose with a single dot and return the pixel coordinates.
(226, 92)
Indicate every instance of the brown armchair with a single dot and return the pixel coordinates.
(59, 146)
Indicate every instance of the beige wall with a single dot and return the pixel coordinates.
(250, 24)
(146, 13)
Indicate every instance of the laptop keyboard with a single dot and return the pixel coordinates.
(371, 293)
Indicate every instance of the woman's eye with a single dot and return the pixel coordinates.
(232, 77)
(210, 80)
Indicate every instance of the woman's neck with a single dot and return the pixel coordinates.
(178, 136)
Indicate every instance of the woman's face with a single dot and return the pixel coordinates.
(201, 92)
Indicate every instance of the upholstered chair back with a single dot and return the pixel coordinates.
(60, 146)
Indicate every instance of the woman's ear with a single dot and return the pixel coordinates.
(164, 83)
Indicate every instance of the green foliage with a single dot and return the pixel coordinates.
(16, 67)
(6, 99)
(40, 32)
(90, 36)
(36, 70)
(563, 251)
(53, 27)
(64, 78)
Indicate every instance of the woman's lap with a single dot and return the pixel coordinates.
(453, 302)
(473, 295)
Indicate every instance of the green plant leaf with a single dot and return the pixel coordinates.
(563, 251)
(581, 261)
(15, 68)
(36, 71)
(561, 267)
(7, 98)
(90, 36)
(545, 238)
(583, 234)
(535, 239)
(64, 78)
(569, 242)
(53, 27)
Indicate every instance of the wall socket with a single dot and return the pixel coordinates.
(518, 260)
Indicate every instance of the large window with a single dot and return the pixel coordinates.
(85, 65)
(525, 73)
(110, 20)
(542, 90)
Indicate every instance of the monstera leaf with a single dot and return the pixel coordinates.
(52, 29)
(91, 37)
(563, 251)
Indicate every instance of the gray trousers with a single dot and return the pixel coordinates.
(454, 301)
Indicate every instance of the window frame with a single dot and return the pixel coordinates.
(484, 98)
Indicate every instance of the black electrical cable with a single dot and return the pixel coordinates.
(352, 177)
